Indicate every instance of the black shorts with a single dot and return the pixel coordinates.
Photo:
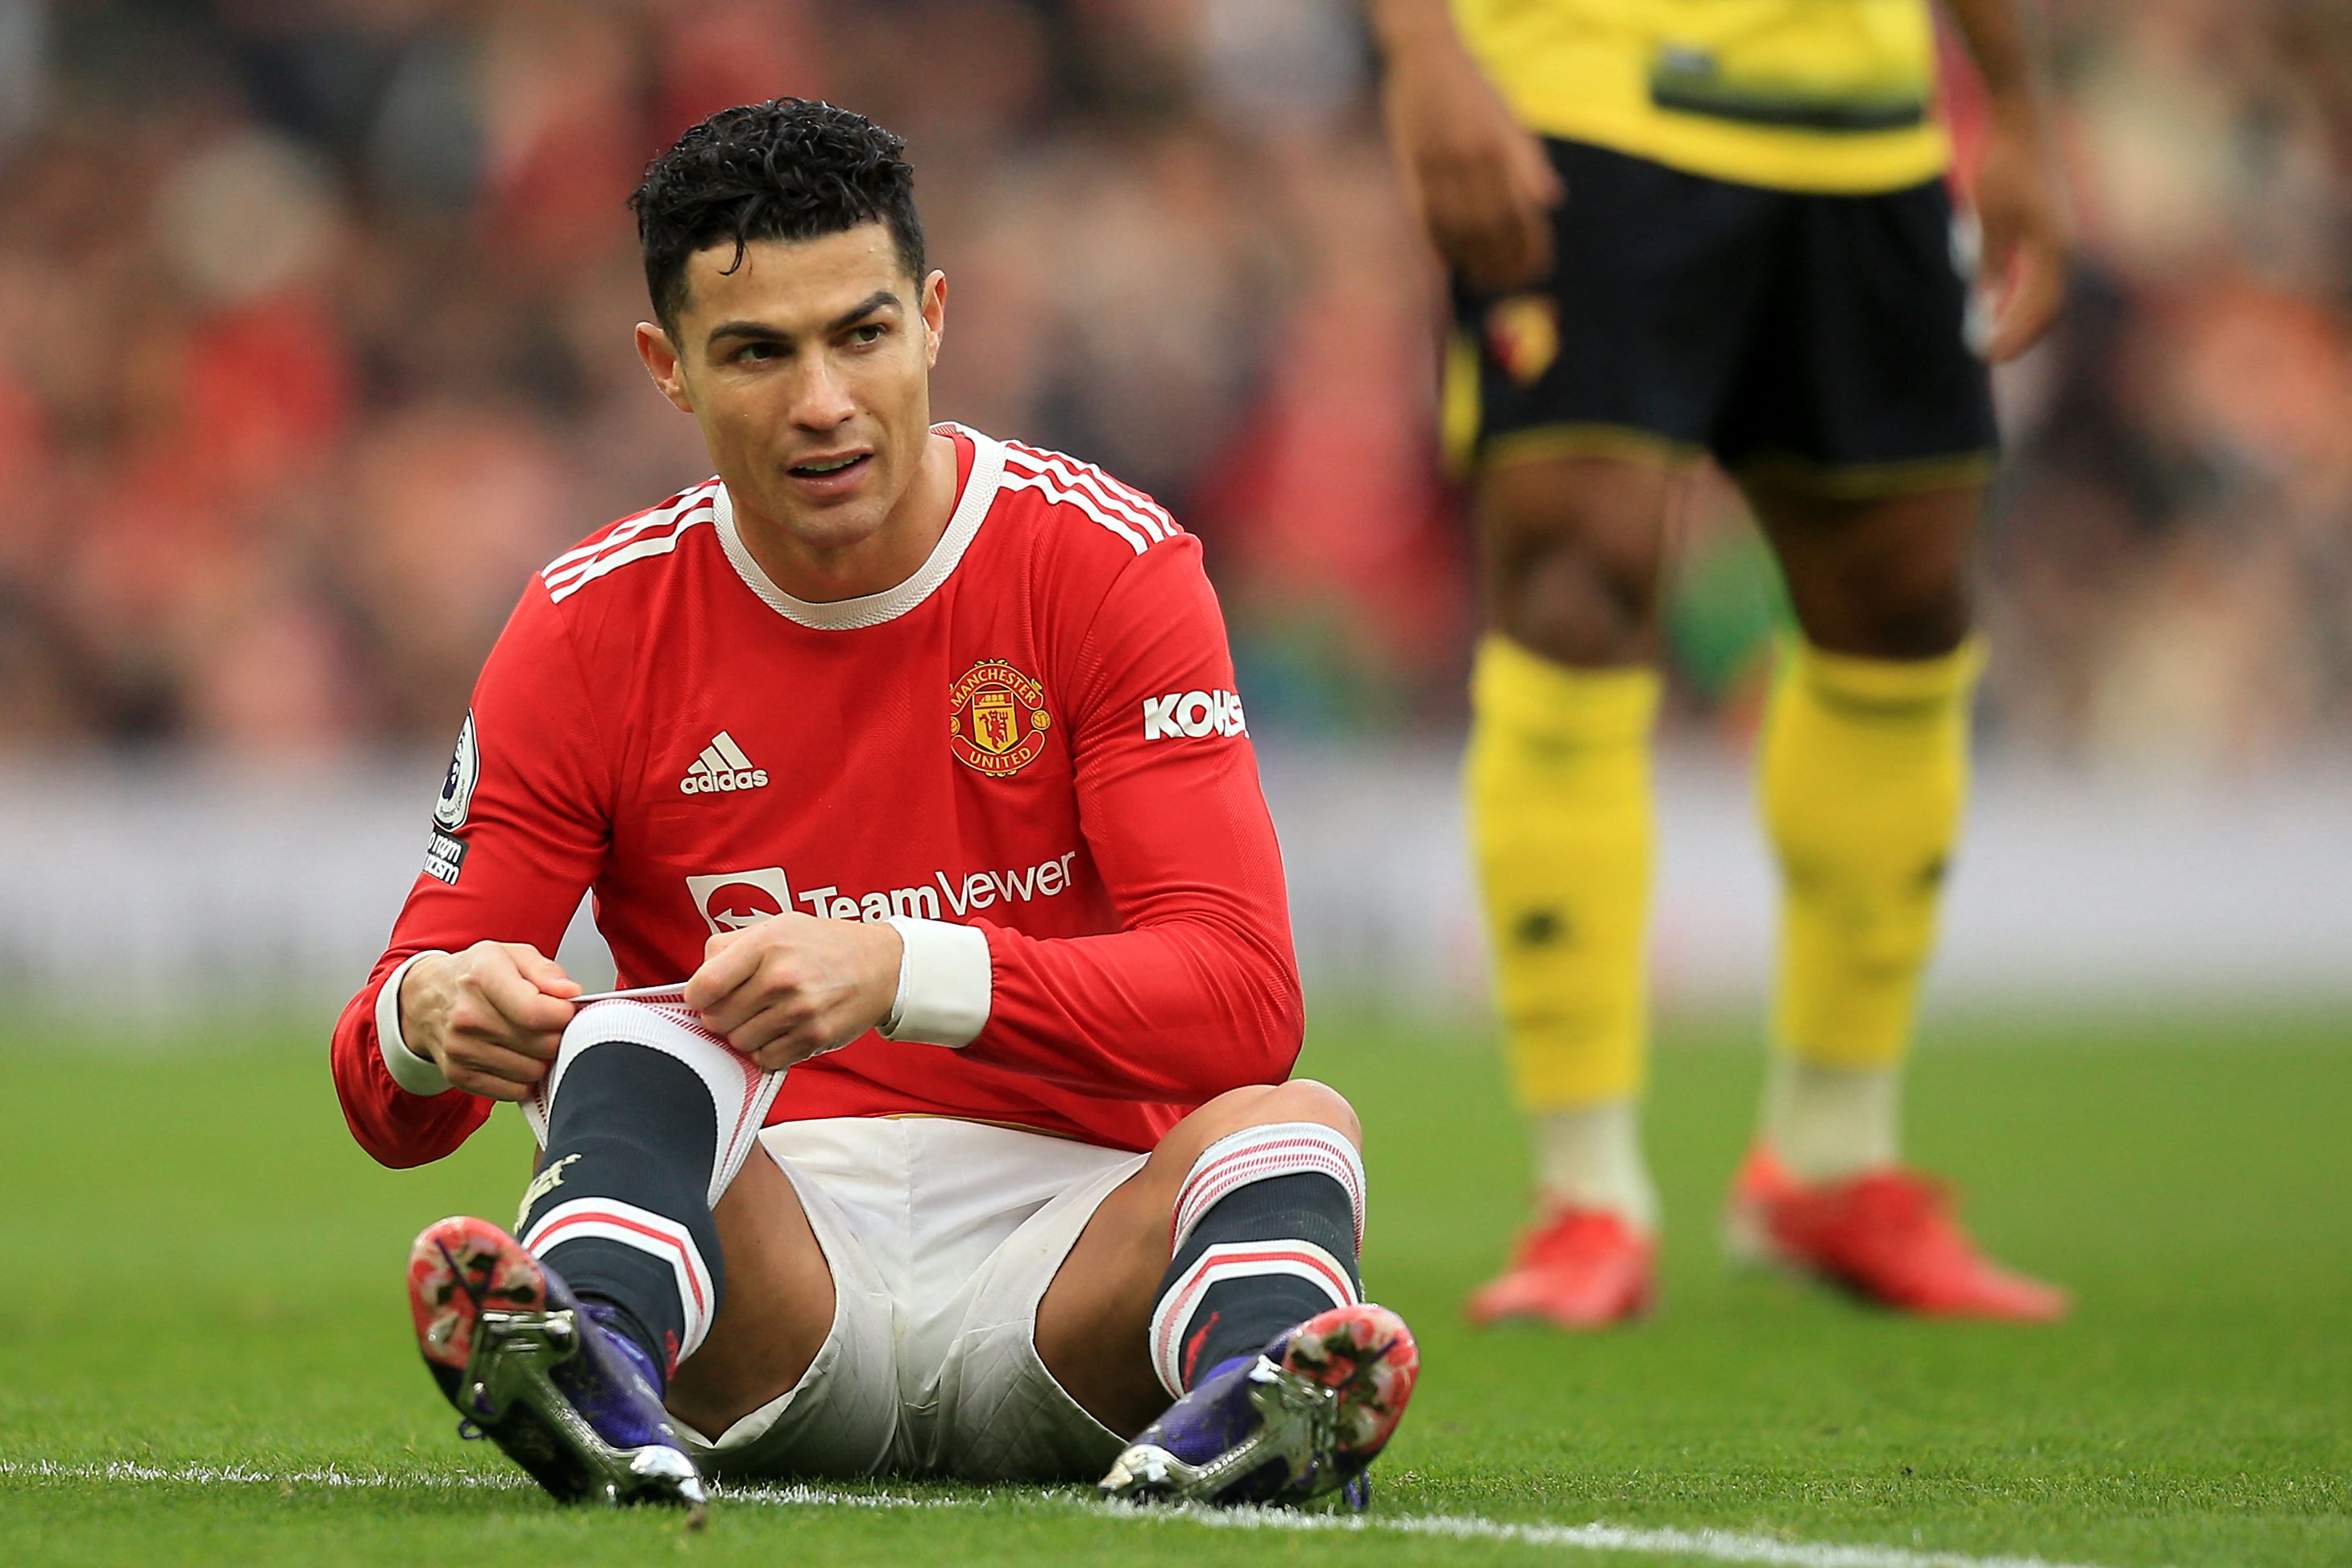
(1821, 337)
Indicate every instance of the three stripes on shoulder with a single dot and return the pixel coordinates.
(654, 533)
(1116, 505)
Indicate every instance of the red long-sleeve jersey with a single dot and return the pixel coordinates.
(1035, 736)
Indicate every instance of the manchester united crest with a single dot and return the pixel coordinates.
(997, 721)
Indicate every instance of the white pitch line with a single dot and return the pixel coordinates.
(234, 1474)
(1716, 1546)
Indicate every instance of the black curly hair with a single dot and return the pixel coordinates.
(787, 169)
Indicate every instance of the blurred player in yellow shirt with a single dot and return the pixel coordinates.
(1689, 227)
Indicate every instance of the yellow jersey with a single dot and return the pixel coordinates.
(1800, 95)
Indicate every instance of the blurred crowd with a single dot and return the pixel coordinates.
(314, 343)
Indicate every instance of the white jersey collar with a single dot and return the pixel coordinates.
(980, 489)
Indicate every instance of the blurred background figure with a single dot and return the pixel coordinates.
(314, 342)
(1724, 231)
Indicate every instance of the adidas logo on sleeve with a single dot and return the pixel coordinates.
(721, 769)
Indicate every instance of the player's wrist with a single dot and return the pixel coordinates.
(1431, 75)
(403, 1036)
(945, 983)
(887, 982)
(1406, 29)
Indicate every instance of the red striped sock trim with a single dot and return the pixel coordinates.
(1257, 1153)
(609, 1219)
(1235, 1261)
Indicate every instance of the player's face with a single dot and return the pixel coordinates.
(808, 368)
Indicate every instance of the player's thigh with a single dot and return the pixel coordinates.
(1094, 1323)
(777, 1309)
(1875, 577)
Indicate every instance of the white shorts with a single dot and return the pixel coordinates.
(942, 1237)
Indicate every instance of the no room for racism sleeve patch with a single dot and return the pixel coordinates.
(445, 857)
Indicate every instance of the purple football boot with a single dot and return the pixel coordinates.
(1297, 1421)
(540, 1375)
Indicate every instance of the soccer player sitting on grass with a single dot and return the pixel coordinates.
(961, 1144)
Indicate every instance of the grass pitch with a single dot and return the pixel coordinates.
(204, 1354)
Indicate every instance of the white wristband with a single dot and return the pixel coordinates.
(945, 983)
(410, 1072)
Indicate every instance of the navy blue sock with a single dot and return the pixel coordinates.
(1255, 1264)
(619, 1207)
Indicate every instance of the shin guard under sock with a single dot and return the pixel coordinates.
(1864, 774)
(1558, 778)
(620, 1205)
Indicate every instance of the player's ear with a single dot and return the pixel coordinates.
(935, 315)
(660, 356)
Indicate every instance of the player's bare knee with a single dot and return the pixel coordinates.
(1928, 626)
(1884, 577)
(1305, 1100)
(1896, 611)
(1575, 555)
(1564, 606)
(1262, 1105)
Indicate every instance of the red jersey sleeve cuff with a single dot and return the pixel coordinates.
(408, 1070)
(945, 983)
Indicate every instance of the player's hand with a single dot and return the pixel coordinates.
(789, 987)
(1477, 177)
(2027, 236)
(489, 1017)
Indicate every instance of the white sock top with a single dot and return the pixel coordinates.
(1591, 1158)
(1828, 1122)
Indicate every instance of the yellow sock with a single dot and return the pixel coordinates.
(1565, 834)
(1865, 771)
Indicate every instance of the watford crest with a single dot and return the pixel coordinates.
(1523, 336)
(997, 720)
